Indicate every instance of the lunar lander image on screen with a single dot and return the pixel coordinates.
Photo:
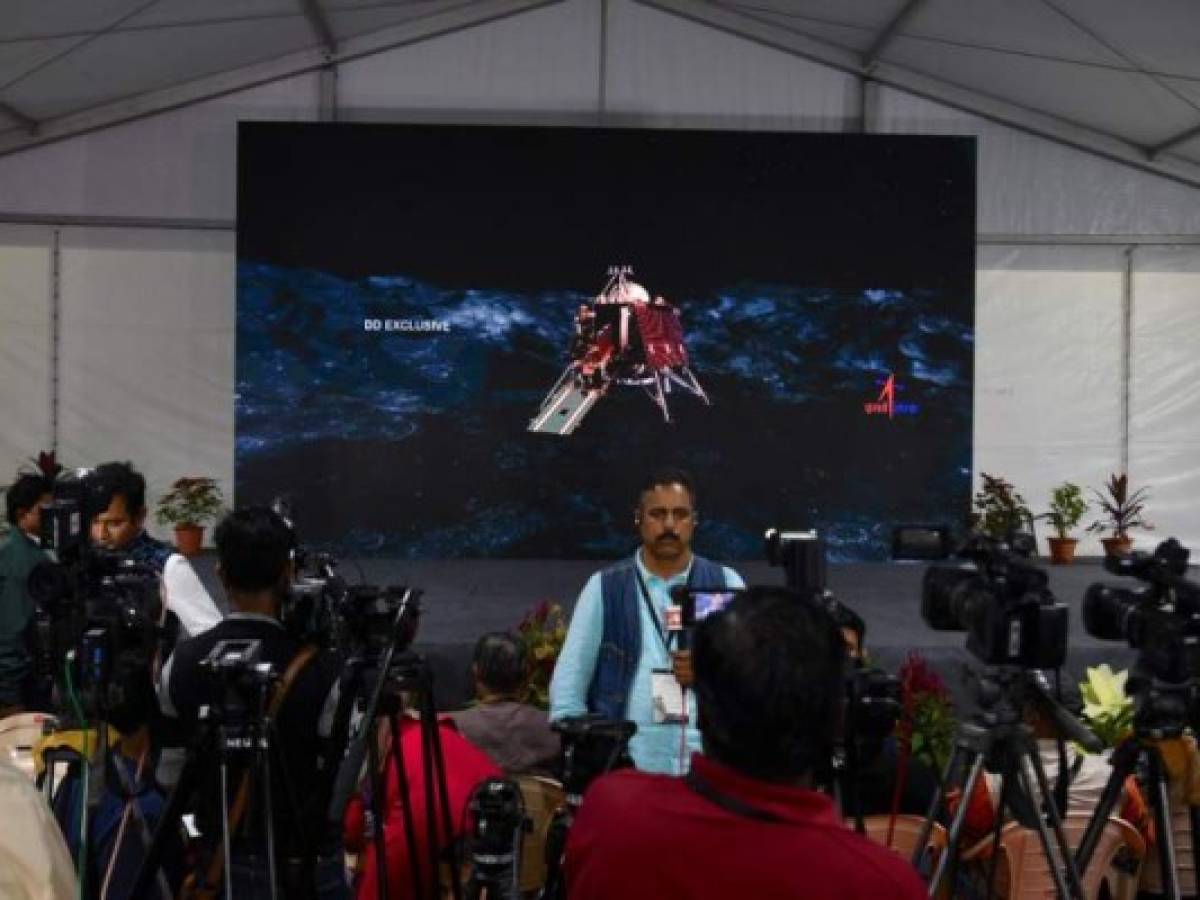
(622, 337)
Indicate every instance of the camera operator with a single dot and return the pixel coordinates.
(121, 527)
(253, 546)
(769, 672)
(19, 553)
(616, 662)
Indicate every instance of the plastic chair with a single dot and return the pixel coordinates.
(542, 797)
(1023, 872)
(904, 836)
(1185, 863)
(18, 735)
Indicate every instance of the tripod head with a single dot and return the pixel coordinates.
(1003, 694)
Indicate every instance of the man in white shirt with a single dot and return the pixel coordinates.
(34, 862)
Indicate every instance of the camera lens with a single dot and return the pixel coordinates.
(945, 591)
(1109, 613)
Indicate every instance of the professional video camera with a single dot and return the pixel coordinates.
(801, 555)
(494, 847)
(1003, 602)
(591, 746)
(872, 695)
(96, 607)
(1161, 620)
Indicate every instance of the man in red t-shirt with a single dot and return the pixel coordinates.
(746, 821)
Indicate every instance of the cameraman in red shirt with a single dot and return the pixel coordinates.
(746, 821)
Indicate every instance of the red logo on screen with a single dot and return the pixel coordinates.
(885, 404)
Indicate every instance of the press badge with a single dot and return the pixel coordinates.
(666, 703)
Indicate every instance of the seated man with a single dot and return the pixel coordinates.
(254, 565)
(745, 822)
(514, 734)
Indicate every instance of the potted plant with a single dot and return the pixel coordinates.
(1122, 510)
(188, 505)
(543, 631)
(1067, 507)
(999, 510)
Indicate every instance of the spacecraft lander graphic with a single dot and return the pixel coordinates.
(622, 337)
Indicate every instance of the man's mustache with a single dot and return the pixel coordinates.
(666, 537)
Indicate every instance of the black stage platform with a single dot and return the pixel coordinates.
(463, 599)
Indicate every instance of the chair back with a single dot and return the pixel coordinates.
(904, 833)
(542, 797)
(1024, 873)
(18, 734)
(1185, 860)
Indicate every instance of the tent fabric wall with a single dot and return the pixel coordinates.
(1047, 408)
(1047, 368)
(25, 345)
(1164, 447)
(147, 371)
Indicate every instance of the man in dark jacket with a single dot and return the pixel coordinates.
(19, 553)
(616, 658)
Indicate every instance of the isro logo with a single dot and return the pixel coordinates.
(885, 404)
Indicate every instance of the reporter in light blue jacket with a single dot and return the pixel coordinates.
(618, 635)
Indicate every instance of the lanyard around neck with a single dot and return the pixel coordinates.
(654, 617)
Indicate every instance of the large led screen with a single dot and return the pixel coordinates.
(473, 341)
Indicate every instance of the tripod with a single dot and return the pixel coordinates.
(998, 738)
(1165, 704)
(233, 730)
(397, 672)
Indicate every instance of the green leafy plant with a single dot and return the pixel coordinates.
(190, 501)
(1107, 709)
(1067, 507)
(928, 722)
(1122, 509)
(999, 510)
(543, 631)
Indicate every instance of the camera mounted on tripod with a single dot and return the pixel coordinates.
(1161, 620)
(1002, 600)
(239, 685)
(98, 607)
(591, 746)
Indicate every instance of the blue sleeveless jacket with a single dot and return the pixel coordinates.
(621, 639)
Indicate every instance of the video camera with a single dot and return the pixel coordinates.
(1002, 600)
(591, 746)
(1161, 620)
(801, 555)
(98, 607)
(494, 846)
(239, 684)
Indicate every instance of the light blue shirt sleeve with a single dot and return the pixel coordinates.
(577, 661)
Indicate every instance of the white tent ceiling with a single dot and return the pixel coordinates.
(1115, 77)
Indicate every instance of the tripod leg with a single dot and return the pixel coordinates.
(935, 806)
(225, 842)
(997, 827)
(1161, 801)
(443, 793)
(406, 812)
(1124, 761)
(949, 856)
(378, 837)
(264, 763)
(1071, 886)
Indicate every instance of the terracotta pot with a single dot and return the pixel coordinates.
(188, 539)
(1117, 546)
(1062, 550)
